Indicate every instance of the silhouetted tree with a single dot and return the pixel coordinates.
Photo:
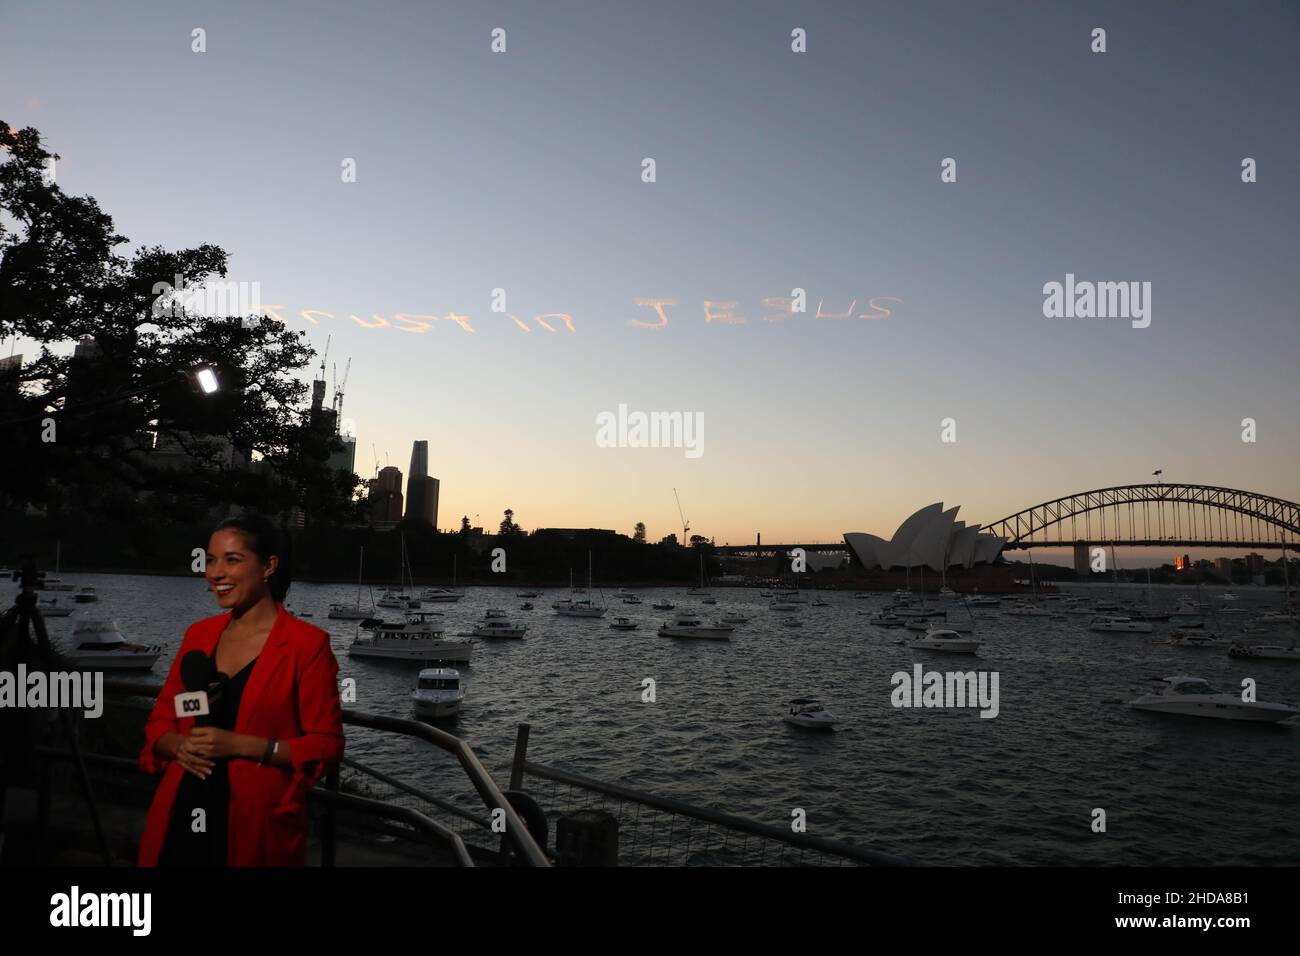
(638, 534)
(61, 280)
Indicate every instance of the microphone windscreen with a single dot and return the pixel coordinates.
(197, 671)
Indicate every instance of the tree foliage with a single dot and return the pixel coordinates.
(64, 278)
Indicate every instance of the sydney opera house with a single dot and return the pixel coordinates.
(931, 538)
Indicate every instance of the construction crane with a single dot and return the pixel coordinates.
(685, 527)
(338, 391)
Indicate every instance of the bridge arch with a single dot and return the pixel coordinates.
(1156, 514)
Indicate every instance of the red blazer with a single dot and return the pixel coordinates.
(292, 695)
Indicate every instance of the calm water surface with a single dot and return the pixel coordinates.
(940, 786)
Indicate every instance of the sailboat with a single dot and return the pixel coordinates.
(399, 598)
(444, 595)
(56, 583)
(583, 607)
(353, 612)
(1029, 608)
(702, 591)
(1150, 614)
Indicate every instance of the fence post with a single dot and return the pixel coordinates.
(521, 755)
(329, 834)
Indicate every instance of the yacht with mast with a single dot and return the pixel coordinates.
(399, 598)
(354, 612)
(444, 595)
(583, 607)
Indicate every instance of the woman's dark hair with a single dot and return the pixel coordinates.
(264, 540)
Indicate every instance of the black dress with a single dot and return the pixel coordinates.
(184, 847)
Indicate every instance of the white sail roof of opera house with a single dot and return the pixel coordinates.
(932, 538)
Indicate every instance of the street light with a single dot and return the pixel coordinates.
(207, 380)
(204, 377)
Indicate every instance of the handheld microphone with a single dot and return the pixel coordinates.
(198, 674)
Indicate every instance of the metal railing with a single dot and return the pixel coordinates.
(516, 832)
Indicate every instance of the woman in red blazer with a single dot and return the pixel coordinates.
(234, 792)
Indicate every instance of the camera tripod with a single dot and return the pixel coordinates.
(24, 640)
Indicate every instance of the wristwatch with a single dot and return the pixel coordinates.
(269, 755)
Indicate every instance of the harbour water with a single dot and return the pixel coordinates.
(937, 785)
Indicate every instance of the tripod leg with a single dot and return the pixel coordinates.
(43, 642)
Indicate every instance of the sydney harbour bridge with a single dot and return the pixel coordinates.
(1145, 515)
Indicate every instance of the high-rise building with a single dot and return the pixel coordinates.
(422, 499)
(419, 459)
(421, 490)
(386, 497)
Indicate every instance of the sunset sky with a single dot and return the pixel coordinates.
(775, 170)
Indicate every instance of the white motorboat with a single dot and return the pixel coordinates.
(885, 619)
(526, 606)
(398, 600)
(1122, 625)
(85, 595)
(1179, 639)
(1194, 697)
(1265, 652)
(985, 602)
(418, 638)
(810, 714)
(497, 623)
(52, 608)
(820, 603)
(688, 625)
(862, 596)
(792, 622)
(735, 619)
(98, 644)
(623, 624)
(440, 596)
(529, 594)
(783, 606)
(583, 608)
(948, 593)
(947, 640)
(632, 600)
(438, 692)
(663, 605)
